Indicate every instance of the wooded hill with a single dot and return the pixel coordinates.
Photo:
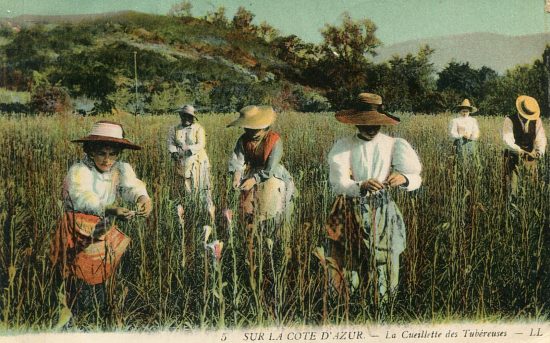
(221, 64)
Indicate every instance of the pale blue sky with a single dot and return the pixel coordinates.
(397, 20)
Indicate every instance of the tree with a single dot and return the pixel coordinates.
(217, 17)
(344, 60)
(181, 9)
(406, 83)
(267, 32)
(459, 80)
(242, 20)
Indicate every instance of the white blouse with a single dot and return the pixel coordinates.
(464, 125)
(87, 190)
(191, 138)
(353, 160)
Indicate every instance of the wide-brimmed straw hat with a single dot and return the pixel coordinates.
(365, 111)
(466, 105)
(186, 109)
(528, 107)
(255, 117)
(108, 132)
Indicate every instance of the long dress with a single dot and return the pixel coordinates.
(352, 161)
(192, 163)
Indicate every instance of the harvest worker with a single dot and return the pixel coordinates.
(87, 245)
(366, 227)
(525, 140)
(464, 129)
(266, 186)
(187, 146)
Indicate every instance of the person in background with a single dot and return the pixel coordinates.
(464, 130)
(87, 245)
(524, 139)
(364, 168)
(187, 147)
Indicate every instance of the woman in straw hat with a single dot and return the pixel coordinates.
(464, 129)
(525, 140)
(88, 245)
(363, 169)
(265, 184)
(187, 146)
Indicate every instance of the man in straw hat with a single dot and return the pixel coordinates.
(187, 146)
(87, 245)
(525, 140)
(363, 168)
(464, 129)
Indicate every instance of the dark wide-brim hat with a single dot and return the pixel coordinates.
(366, 111)
(108, 132)
(466, 105)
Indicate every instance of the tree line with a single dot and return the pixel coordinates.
(221, 64)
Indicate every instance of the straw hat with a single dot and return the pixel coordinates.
(528, 107)
(365, 112)
(255, 117)
(108, 132)
(186, 109)
(466, 105)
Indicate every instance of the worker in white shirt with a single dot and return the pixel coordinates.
(464, 130)
(525, 140)
(87, 245)
(187, 147)
(364, 167)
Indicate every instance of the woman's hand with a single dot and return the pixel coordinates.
(144, 206)
(396, 179)
(120, 212)
(371, 185)
(236, 180)
(248, 184)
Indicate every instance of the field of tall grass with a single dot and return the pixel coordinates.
(473, 253)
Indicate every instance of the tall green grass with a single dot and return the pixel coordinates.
(471, 253)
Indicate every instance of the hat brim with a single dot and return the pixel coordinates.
(254, 123)
(180, 112)
(472, 109)
(356, 117)
(123, 143)
(524, 114)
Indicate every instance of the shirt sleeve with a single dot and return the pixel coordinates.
(508, 135)
(236, 162)
(540, 138)
(273, 160)
(475, 130)
(131, 188)
(406, 161)
(201, 141)
(339, 159)
(78, 193)
(453, 130)
(171, 142)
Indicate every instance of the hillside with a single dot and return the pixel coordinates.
(499, 52)
(145, 63)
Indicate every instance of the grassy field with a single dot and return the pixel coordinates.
(471, 253)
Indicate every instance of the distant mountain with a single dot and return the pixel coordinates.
(28, 19)
(499, 52)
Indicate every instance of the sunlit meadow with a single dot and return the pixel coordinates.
(473, 253)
